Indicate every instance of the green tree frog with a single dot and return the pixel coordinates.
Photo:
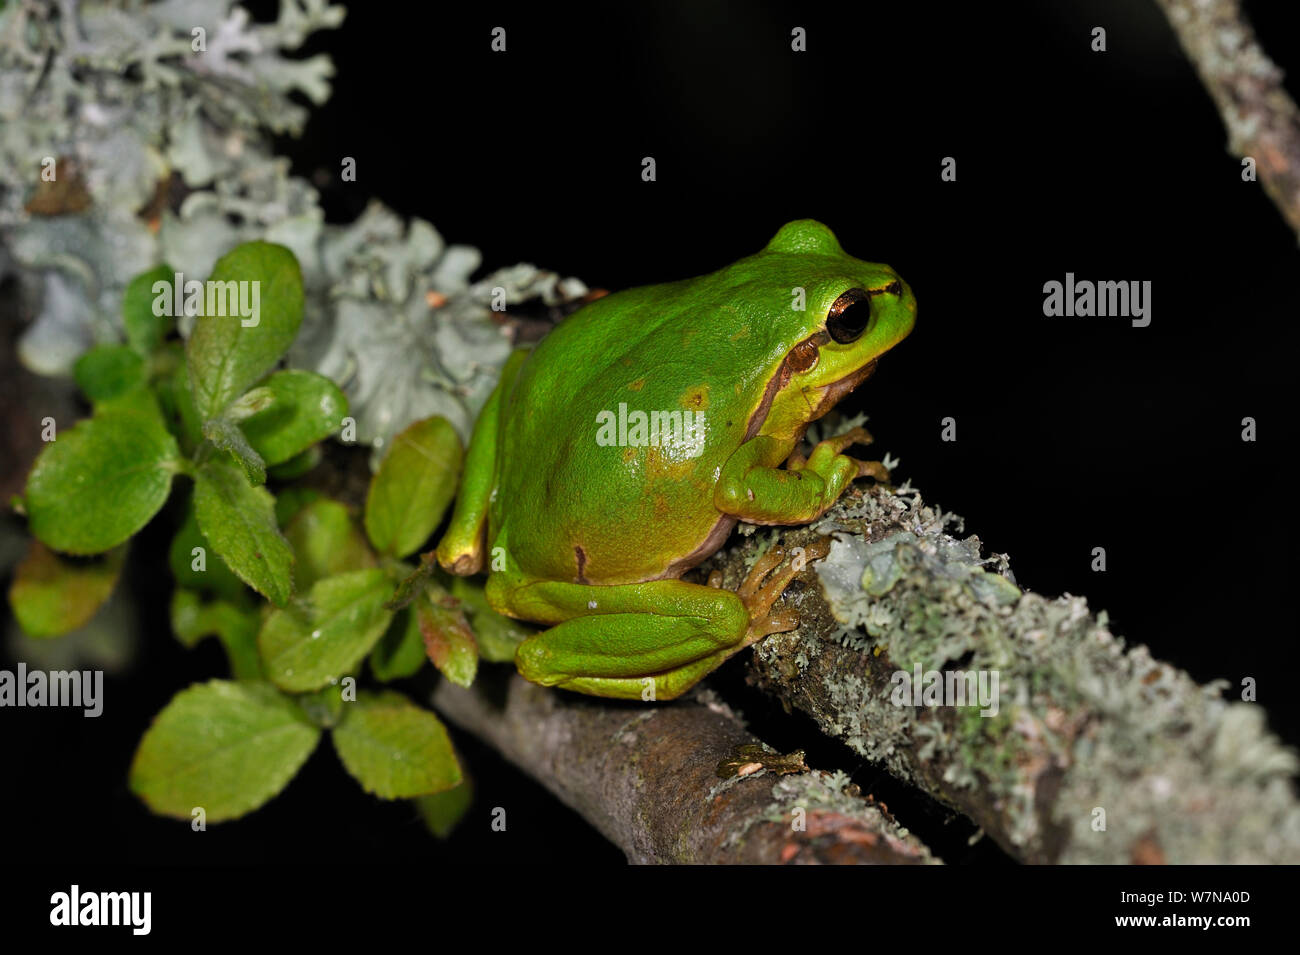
(621, 451)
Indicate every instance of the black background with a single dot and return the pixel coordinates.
(1072, 433)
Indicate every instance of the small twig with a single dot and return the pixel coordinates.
(1246, 86)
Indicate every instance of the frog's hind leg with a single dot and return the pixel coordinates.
(661, 636)
(461, 550)
(611, 640)
(658, 686)
(758, 592)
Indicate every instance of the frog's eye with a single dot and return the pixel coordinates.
(849, 317)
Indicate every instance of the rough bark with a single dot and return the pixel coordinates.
(1092, 752)
(1246, 86)
(648, 777)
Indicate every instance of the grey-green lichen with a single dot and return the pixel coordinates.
(156, 120)
(1094, 753)
(112, 99)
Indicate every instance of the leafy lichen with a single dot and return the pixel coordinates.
(159, 141)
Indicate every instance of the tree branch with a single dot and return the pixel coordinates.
(1246, 86)
(1088, 752)
(648, 778)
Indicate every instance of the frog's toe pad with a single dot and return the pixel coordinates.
(778, 621)
(535, 664)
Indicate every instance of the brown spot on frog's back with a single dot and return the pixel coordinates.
(636, 385)
(696, 398)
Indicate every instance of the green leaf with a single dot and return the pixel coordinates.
(52, 595)
(413, 487)
(324, 707)
(225, 357)
(224, 746)
(447, 637)
(304, 409)
(189, 620)
(306, 646)
(215, 577)
(138, 401)
(400, 653)
(226, 436)
(107, 371)
(394, 748)
(187, 425)
(291, 500)
(497, 636)
(236, 627)
(443, 811)
(100, 482)
(145, 330)
(296, 466)
(249, 403)
(326, 542)
(239, 523)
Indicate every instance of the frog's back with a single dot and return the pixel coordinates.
(584, 491)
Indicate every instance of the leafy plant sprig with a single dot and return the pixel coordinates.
(298, 594)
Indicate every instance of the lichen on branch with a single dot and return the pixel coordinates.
(1246, 85)
(1093, 752)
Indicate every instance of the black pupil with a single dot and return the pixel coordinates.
(849, 316)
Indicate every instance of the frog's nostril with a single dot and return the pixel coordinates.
(894, 288)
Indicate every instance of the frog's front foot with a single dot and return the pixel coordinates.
(759, 596)
(827, 450)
